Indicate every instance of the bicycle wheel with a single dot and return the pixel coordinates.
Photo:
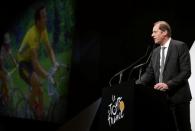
(57, 110)
(23, 109)
(56, 104)
(16, 95)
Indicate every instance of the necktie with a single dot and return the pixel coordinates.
(162, 64)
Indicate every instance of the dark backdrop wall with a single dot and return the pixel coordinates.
(109, 36)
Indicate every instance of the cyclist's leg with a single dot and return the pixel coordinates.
(4, 86)
(36, 96)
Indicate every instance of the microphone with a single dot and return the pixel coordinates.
(120, 73)
(141, 65)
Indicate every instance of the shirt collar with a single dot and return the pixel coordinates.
(167, 43)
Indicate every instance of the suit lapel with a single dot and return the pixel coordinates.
(168, 53)
(157, 63)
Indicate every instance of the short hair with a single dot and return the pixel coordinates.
(37, 15)
(164, 26)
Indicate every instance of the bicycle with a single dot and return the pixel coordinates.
(19, 103)
(56, 78)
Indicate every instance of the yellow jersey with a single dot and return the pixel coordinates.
(31, 40)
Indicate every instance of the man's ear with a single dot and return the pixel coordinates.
(165, 32)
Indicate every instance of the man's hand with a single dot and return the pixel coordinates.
(161, 86)
(56, 64)
(50, 78)
(52, 72)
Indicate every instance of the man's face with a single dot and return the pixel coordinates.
(158, 35)
(43, 18)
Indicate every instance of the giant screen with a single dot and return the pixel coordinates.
(36, 60)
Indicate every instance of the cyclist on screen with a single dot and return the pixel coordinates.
(5, 52)
(30, 68)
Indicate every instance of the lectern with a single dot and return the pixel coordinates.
(116, 111)
(130, 107)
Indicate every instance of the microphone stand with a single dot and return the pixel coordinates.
(120, 73)
(140, 66)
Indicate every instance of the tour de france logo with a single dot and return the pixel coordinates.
(115, 110)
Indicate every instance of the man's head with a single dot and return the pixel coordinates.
(161, 32)
(41, 18)
(7, 38)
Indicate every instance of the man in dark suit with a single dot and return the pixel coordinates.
(169, 70)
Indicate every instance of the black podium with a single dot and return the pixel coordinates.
(116, 111)
(152, 112)
(128, 107)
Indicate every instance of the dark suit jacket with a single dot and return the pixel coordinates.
(177, 70)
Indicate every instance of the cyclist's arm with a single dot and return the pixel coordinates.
(37, 66)
(51, 53)
(8, 52)
(13, 59)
